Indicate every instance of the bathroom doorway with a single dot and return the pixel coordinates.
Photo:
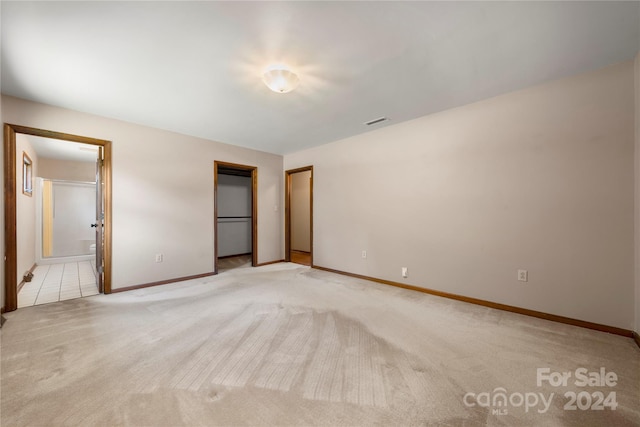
(235, 216)
(57, 216)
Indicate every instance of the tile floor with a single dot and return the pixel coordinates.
(58, 282)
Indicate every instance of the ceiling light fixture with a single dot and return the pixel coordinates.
(280, 79)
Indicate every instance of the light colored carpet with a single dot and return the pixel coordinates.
(287, 345)
(231, 263)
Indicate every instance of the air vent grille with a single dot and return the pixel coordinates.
(378, 120)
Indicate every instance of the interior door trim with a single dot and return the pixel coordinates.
(254, 209)
(100, 218)
(10, 208)
(287, 211)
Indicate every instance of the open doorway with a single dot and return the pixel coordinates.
(59, 222)
(235, 216)
(299, 215)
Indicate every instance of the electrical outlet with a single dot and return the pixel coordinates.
(405, 272)
(159, 257)
(523, 275)
(364, 254)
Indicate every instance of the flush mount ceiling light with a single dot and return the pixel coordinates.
(280, 79)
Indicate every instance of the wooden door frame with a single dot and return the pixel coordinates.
(10, 205)
(254, 209)
(287, 211)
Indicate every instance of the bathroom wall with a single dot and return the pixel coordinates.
(74, 210)
(68, 170)
(74, 207)
(26, 210)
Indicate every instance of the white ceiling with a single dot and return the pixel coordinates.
(50, 148)
(195, 67)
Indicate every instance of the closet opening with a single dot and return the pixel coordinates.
(235, 216)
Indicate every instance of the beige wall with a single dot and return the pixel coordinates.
(533, 179)
(25, 210)
(67, 170)
(539, 179)
(301, 211)
(163, 192)
(637, 192)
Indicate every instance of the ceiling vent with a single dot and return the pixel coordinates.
(374, 121)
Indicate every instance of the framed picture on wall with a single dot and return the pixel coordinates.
(27, 175)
